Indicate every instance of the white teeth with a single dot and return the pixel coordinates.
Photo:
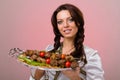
(67, 31)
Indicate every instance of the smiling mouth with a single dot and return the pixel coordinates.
(67, 31)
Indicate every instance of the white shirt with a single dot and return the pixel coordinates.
(93, 67)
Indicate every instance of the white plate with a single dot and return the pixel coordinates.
(43, 68)
(15, 52)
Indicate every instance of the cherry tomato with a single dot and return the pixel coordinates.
(48, 61)
(67, 64)
(42, 54)
(63, 56)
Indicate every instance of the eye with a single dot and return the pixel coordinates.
(70, 19)
(59, 22)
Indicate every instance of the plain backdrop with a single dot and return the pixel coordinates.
(25, 24)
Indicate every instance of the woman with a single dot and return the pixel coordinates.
(68, 26)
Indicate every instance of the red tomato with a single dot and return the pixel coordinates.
(42, 54)
(63, 56)
(48, 61)
(67, 64)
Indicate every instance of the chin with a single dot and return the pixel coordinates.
(68, 36)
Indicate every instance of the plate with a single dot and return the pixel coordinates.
(43, 67)
(16, 52)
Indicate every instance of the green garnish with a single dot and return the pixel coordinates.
(31, 62)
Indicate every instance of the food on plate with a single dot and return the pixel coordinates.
(48, 59)
(68, 64)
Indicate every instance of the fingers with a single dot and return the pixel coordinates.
(77, 69)
(72, 73)
(38, 74)
(66, 71)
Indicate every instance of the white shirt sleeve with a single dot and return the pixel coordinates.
(32, 71)
(93, 67)
(49, 48)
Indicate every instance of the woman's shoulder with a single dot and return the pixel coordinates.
(90, 51)
(49, 47)
(93, 67)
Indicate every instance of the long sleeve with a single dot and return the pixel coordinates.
(94, 66)
(32, 71)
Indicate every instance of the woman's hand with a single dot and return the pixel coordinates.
(38, 74)
(72, 74)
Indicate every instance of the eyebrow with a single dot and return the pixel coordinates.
(67, 18)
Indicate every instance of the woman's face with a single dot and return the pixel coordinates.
(66, 24)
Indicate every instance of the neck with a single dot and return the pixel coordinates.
(68, 46)
(68, 42)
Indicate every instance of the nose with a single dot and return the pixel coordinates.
(65, 24)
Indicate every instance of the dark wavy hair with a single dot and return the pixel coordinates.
(77, 16)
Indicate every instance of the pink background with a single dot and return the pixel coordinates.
(26, 24)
